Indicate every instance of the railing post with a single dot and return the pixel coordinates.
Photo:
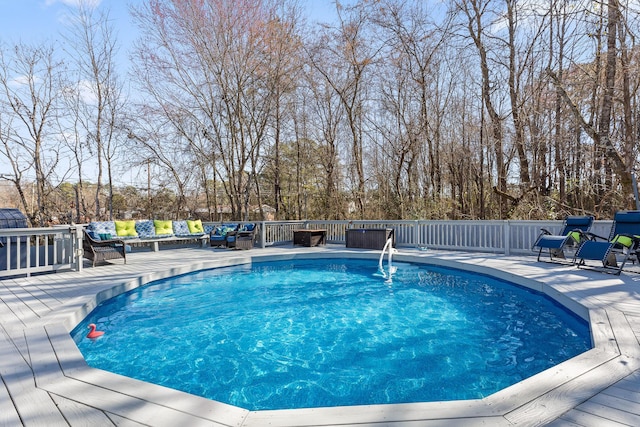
(77, 253)
(416, 234)
(263, 235)
(507, 237)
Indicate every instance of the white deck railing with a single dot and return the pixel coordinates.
(502, 237)
(25, 251)
(51, 249)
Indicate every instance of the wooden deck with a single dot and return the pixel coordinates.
(45, 381)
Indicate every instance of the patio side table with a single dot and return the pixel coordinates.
(310, 237)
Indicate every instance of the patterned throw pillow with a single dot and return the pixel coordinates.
(180, 228)
(103, 227)
(145, 229)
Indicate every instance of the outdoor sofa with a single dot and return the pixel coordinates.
(151, 232)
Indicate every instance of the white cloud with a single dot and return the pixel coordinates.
(23, 80)
(75, 3)
(87, 92)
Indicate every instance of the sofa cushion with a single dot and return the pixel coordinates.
(145, 229)
(126, 228)
(247, 227)
(163, 228)
(195, 227)
(180, 228)
(102, 227)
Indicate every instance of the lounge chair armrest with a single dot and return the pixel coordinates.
(592, 236)
(545, 231)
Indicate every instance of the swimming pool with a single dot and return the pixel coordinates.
(431, 334)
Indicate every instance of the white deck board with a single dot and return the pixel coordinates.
(625, 337)
(34, 406)
(8, 414)
(77, 414)
(466, 422)
(66, 351)
(621, 393)
(630, 383)
(123, 422)
(460, 412)
(561, 399)
(33, 299)
(126, 406)
(43, 360)
(157, 395)
(16, 309)
(45, 380)
(610, 413)
(618, 403)
(583, 419)
(634, 321)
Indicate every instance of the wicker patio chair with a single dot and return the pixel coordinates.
(99, 251)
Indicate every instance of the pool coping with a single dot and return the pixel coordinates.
(60, 368)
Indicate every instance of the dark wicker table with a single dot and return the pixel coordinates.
(310, 237)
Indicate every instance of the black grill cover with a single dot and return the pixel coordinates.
(11, 218)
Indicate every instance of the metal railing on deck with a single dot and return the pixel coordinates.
(35, 250)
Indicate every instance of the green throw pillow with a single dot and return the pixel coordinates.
(195, 227)
(126, 228)
(163, 227)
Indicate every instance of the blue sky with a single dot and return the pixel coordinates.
(38, 20)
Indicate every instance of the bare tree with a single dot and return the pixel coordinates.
(214, 66)
(324, 111)
(413, 90)
(91, 41)
(614, 156)
(343, 55)
(29, 80)
(72, 134)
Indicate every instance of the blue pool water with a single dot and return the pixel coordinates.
(315, 333)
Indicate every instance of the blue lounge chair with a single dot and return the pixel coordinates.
(615, 251)
(571, 235)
